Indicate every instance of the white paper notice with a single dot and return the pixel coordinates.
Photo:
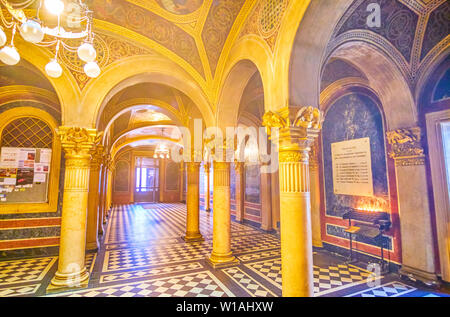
(9, 157)
(41, 167)
(46, 156)
(352, 167)
(39, 178)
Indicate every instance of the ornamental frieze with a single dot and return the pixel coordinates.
(406, 145)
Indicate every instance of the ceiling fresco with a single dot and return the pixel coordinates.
(180, 6)
(412, 33)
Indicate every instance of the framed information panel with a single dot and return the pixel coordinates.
(352, 167)
(24, 175)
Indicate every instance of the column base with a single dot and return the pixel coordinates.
(91, 246)
(193, 237)
(63, 282)
(413, 274)
(317, 244)
(222, 261)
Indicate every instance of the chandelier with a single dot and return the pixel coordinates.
(60, 24)
(161, 151)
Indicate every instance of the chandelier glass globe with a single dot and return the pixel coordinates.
(53, 69)
(9, 55)
(2, 37)
(55, 7)
(92, 70)
(86, 52)
(31, 31)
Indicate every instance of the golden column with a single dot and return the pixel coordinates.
(109, 187)
(102, 198)
(207, 167)
(77, 144)
(296, 133)
(94, 210)
(193, 199)
(182, 182)
(315, 195)
(221, 255)
(240, 190)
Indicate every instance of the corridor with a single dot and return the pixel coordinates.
(143, 255)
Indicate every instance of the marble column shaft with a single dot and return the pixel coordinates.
(294, 134)
(207, 167)
(193, 203)
(77, 144)
(240, 191)
(221, 255)
(315, 197)
(94, 201)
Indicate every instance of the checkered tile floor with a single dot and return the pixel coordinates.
(202, 284)
(29, 270)
(143, 255)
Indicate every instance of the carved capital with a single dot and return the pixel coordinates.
(300, 127)
(97, 157)
(239, 167)
(78, 141)
(406, 146)
(193, 167)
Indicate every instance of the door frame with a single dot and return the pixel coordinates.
(142, 153)
(440, 187)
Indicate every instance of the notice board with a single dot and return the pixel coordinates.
(352, 167)
(24, 174)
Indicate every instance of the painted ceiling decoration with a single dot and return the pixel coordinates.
(195, 34)
(144, 22)
(411, 34)
(221, 17)
(146, 115)
(180, 6)
(109, 49)
(337, 69)
(265, 20)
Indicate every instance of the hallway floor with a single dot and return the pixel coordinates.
(143, 255)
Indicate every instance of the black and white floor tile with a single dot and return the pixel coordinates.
(142, 254)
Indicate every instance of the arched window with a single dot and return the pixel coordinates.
(29, 162)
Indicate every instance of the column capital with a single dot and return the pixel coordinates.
(406, 146)
(77, 141)
(193, 167)
(207, 166)
(296, 129)
(239, 167)
(97, 156)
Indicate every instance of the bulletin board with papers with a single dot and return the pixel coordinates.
(24, 174)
